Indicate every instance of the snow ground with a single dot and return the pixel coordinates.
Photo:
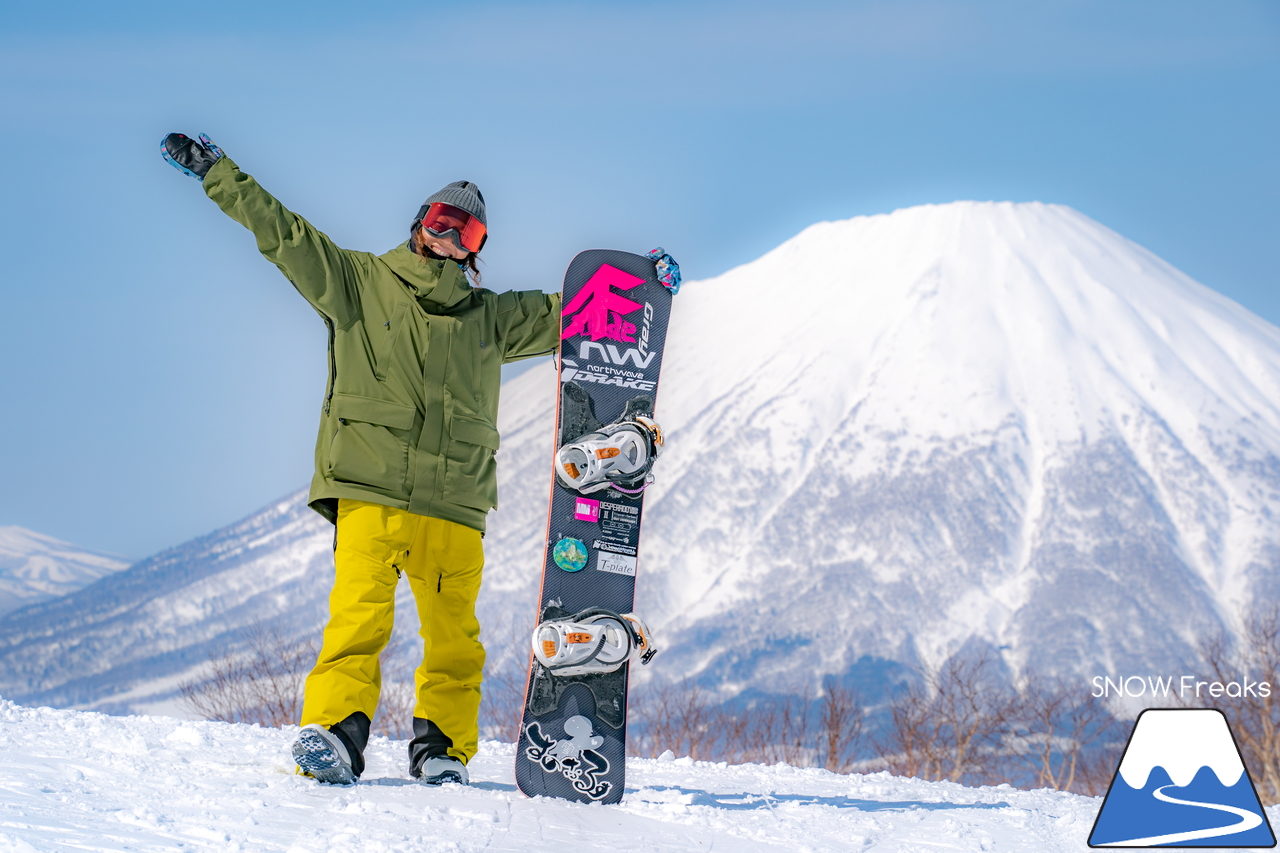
(74, 780)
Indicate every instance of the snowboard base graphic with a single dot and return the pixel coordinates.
(574, 732)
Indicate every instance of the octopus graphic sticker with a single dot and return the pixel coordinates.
(574, 757)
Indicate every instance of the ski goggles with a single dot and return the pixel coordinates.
(446, 220)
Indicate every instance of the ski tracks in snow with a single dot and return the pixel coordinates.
(72, 780)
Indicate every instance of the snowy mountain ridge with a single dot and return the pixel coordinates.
(35, 567)
(893, 437)
(141, 632)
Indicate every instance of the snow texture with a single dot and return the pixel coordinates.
(35, 568)
(976, 424)
(86, 781)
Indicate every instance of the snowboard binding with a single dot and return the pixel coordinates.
(593, 457)
(595, 641)
(620, 456)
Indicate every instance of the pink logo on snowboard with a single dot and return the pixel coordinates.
(585, 509)
(600, 311)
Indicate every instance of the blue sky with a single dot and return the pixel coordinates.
(159, 379)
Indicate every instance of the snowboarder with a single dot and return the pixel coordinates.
(404, 459)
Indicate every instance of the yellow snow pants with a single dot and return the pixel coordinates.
(443, 562)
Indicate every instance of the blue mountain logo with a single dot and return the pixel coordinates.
(1181, 783)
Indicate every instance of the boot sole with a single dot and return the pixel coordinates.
(315, 757)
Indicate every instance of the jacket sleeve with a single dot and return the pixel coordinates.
(528, 323)
(324, 274)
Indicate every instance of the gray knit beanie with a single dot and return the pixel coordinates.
(463, 194)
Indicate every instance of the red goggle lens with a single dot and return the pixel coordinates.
(469, 232)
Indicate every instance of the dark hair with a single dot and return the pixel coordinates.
(469, 263)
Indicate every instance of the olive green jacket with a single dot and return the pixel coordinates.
(415, 356)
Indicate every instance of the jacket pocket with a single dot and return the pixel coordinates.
(366, 449)
(384, 351)
(471, 474)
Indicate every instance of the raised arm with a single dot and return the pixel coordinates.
(324, 274)
(529, 322)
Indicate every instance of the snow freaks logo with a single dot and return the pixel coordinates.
(597, 312)
(1181, 783)
(1186, 687)
(575, 757)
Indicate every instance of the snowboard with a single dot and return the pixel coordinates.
(614, 323)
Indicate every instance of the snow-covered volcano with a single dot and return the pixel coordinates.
(889, 437)
(894, 434)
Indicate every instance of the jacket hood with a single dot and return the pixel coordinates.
(441, 283)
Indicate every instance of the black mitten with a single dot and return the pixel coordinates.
(189, 156)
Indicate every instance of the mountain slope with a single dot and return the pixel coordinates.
(980, 424)
(155, 623)
(990, 421)
(35, 567)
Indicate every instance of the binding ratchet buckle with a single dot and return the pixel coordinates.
(593, 641)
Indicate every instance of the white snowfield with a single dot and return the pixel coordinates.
(73, 780)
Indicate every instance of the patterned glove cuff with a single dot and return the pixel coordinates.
(668, 269)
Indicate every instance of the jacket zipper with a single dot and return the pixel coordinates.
(333, 366)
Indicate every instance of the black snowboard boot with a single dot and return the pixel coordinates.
(429, 758)
(334, 754)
